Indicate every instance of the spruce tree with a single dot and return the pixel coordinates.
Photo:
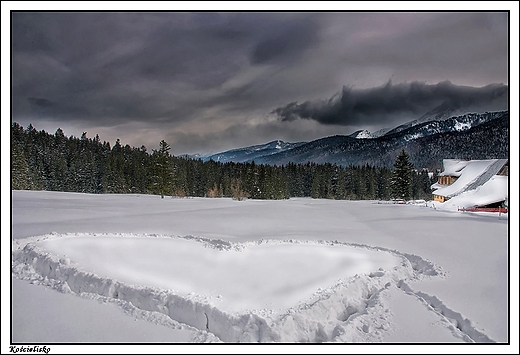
(402, 178)
(162, 169)
(115, 181)
(20, 175)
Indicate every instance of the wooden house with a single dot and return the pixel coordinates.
(460, 176)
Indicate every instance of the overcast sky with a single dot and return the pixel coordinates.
(208, 82)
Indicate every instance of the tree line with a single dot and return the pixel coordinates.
(55, 162)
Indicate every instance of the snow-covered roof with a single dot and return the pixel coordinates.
(453, 167)
(471, 174)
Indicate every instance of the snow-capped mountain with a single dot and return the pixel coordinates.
(415, 129)
(251, 153)
(475, 135)
(362, 134)
(443, 112)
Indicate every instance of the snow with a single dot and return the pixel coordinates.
(299, 270)
(462, 126)
(362, 134)
(404, 311)
(251, 283)
(410, 137)
(453, 167)
(31, 325)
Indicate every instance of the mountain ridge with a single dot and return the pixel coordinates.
(363, 147)
(250, 153)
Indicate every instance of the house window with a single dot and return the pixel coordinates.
(447, 180)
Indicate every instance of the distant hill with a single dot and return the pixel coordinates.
(474, 135)
(251, 153)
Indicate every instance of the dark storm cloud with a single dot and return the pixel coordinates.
(389, 102)
(121, 66)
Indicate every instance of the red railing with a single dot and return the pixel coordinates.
(484, 209)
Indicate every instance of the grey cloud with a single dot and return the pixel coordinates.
(391, 102)
(126, 65)
(285, 41)
(41, 102)
(45, 108)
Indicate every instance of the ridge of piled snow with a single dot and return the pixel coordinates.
(338, 312)
(461, 325)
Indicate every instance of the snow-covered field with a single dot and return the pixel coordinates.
(138, 268)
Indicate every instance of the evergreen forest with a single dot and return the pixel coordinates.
(55, 162)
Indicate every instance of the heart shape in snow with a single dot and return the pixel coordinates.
(269, 275)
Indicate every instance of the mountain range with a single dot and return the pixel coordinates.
(252, 153)
(426, 140)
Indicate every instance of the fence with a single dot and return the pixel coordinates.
(484, 209)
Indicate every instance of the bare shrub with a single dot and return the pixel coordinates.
(236, 190)
(214, 191)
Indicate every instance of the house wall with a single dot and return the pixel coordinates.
(439, 198)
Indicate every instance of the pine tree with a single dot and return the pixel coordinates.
(401, 182)
(162, 166)
(20, 176)
(180, 177)
(383, 178)
(40, 160)
(115, 181)
(421, 188)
